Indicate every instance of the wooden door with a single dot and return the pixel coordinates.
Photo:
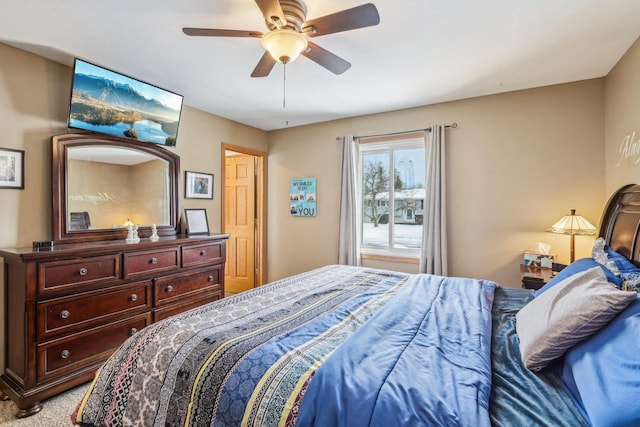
(240, 222)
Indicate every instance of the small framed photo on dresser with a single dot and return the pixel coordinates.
(196, 222)
(11, 168)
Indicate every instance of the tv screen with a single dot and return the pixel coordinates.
(108, 102)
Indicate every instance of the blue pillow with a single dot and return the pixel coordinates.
(624, 265)
(603, 372)
(579, 266)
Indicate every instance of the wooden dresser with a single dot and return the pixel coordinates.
(69, 308)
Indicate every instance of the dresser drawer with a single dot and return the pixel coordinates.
(80, 350)
(65, 315)
(204, 254)
(173, 309)
(148, 263)
(77, 273)
(180, 286)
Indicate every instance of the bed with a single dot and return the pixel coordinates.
(353, 346)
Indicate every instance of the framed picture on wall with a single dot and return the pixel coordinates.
(11, 168)
(198, 185)
(196, 221)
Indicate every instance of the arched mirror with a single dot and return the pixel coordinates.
(102, 183)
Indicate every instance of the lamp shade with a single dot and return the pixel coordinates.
(284, 45)
(572, 224)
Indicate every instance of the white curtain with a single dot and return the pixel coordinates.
(434, 232)
(350, 204)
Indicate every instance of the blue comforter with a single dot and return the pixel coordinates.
(337, 346)
(424, 359)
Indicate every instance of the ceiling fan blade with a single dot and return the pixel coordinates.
(272, 12)
(328, 60)
(211, 32)
(265, 65)
(349, 19)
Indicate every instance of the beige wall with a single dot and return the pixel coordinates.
(32, 109)
(623, 121)
(516, 163)
(199, 145)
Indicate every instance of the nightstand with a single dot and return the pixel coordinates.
(535, 277)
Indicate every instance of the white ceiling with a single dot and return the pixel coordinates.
(422, 52)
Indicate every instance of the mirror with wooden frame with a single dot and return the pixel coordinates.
(103, 183)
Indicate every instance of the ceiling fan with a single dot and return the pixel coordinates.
(289, 31)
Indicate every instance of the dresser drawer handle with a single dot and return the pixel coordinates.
(83, 271)
(133, 331)
(203, 252)
(65, 314)
(65, 354)
(133, 297)
(154, 260)
(211, 278)
(169, 288)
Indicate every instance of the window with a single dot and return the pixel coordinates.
(393, 191)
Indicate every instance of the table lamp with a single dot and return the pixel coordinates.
(572, 224)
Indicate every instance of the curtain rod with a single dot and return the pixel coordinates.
(453, 125)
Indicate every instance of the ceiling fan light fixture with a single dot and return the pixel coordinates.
(284, 45)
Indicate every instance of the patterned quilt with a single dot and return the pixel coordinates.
(251, 358)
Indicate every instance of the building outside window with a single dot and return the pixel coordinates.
(393, 192)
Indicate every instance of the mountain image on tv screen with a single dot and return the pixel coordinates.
(108, 102)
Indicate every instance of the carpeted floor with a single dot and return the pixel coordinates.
(55, 412)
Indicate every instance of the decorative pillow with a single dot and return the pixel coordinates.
(578, 266)
(599, 255)
(623, 264)
(603, 372)
(566, 314)
(631, 282)
(598, 252)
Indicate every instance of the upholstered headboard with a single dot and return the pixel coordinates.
(620, 223)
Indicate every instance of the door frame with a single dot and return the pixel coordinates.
(261, 206)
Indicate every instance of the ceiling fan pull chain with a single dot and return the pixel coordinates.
(284, 85)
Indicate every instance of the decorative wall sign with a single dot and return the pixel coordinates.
(11, 168)
(303, 197)
(629, 150)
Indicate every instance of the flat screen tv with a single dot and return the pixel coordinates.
(108, 102)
